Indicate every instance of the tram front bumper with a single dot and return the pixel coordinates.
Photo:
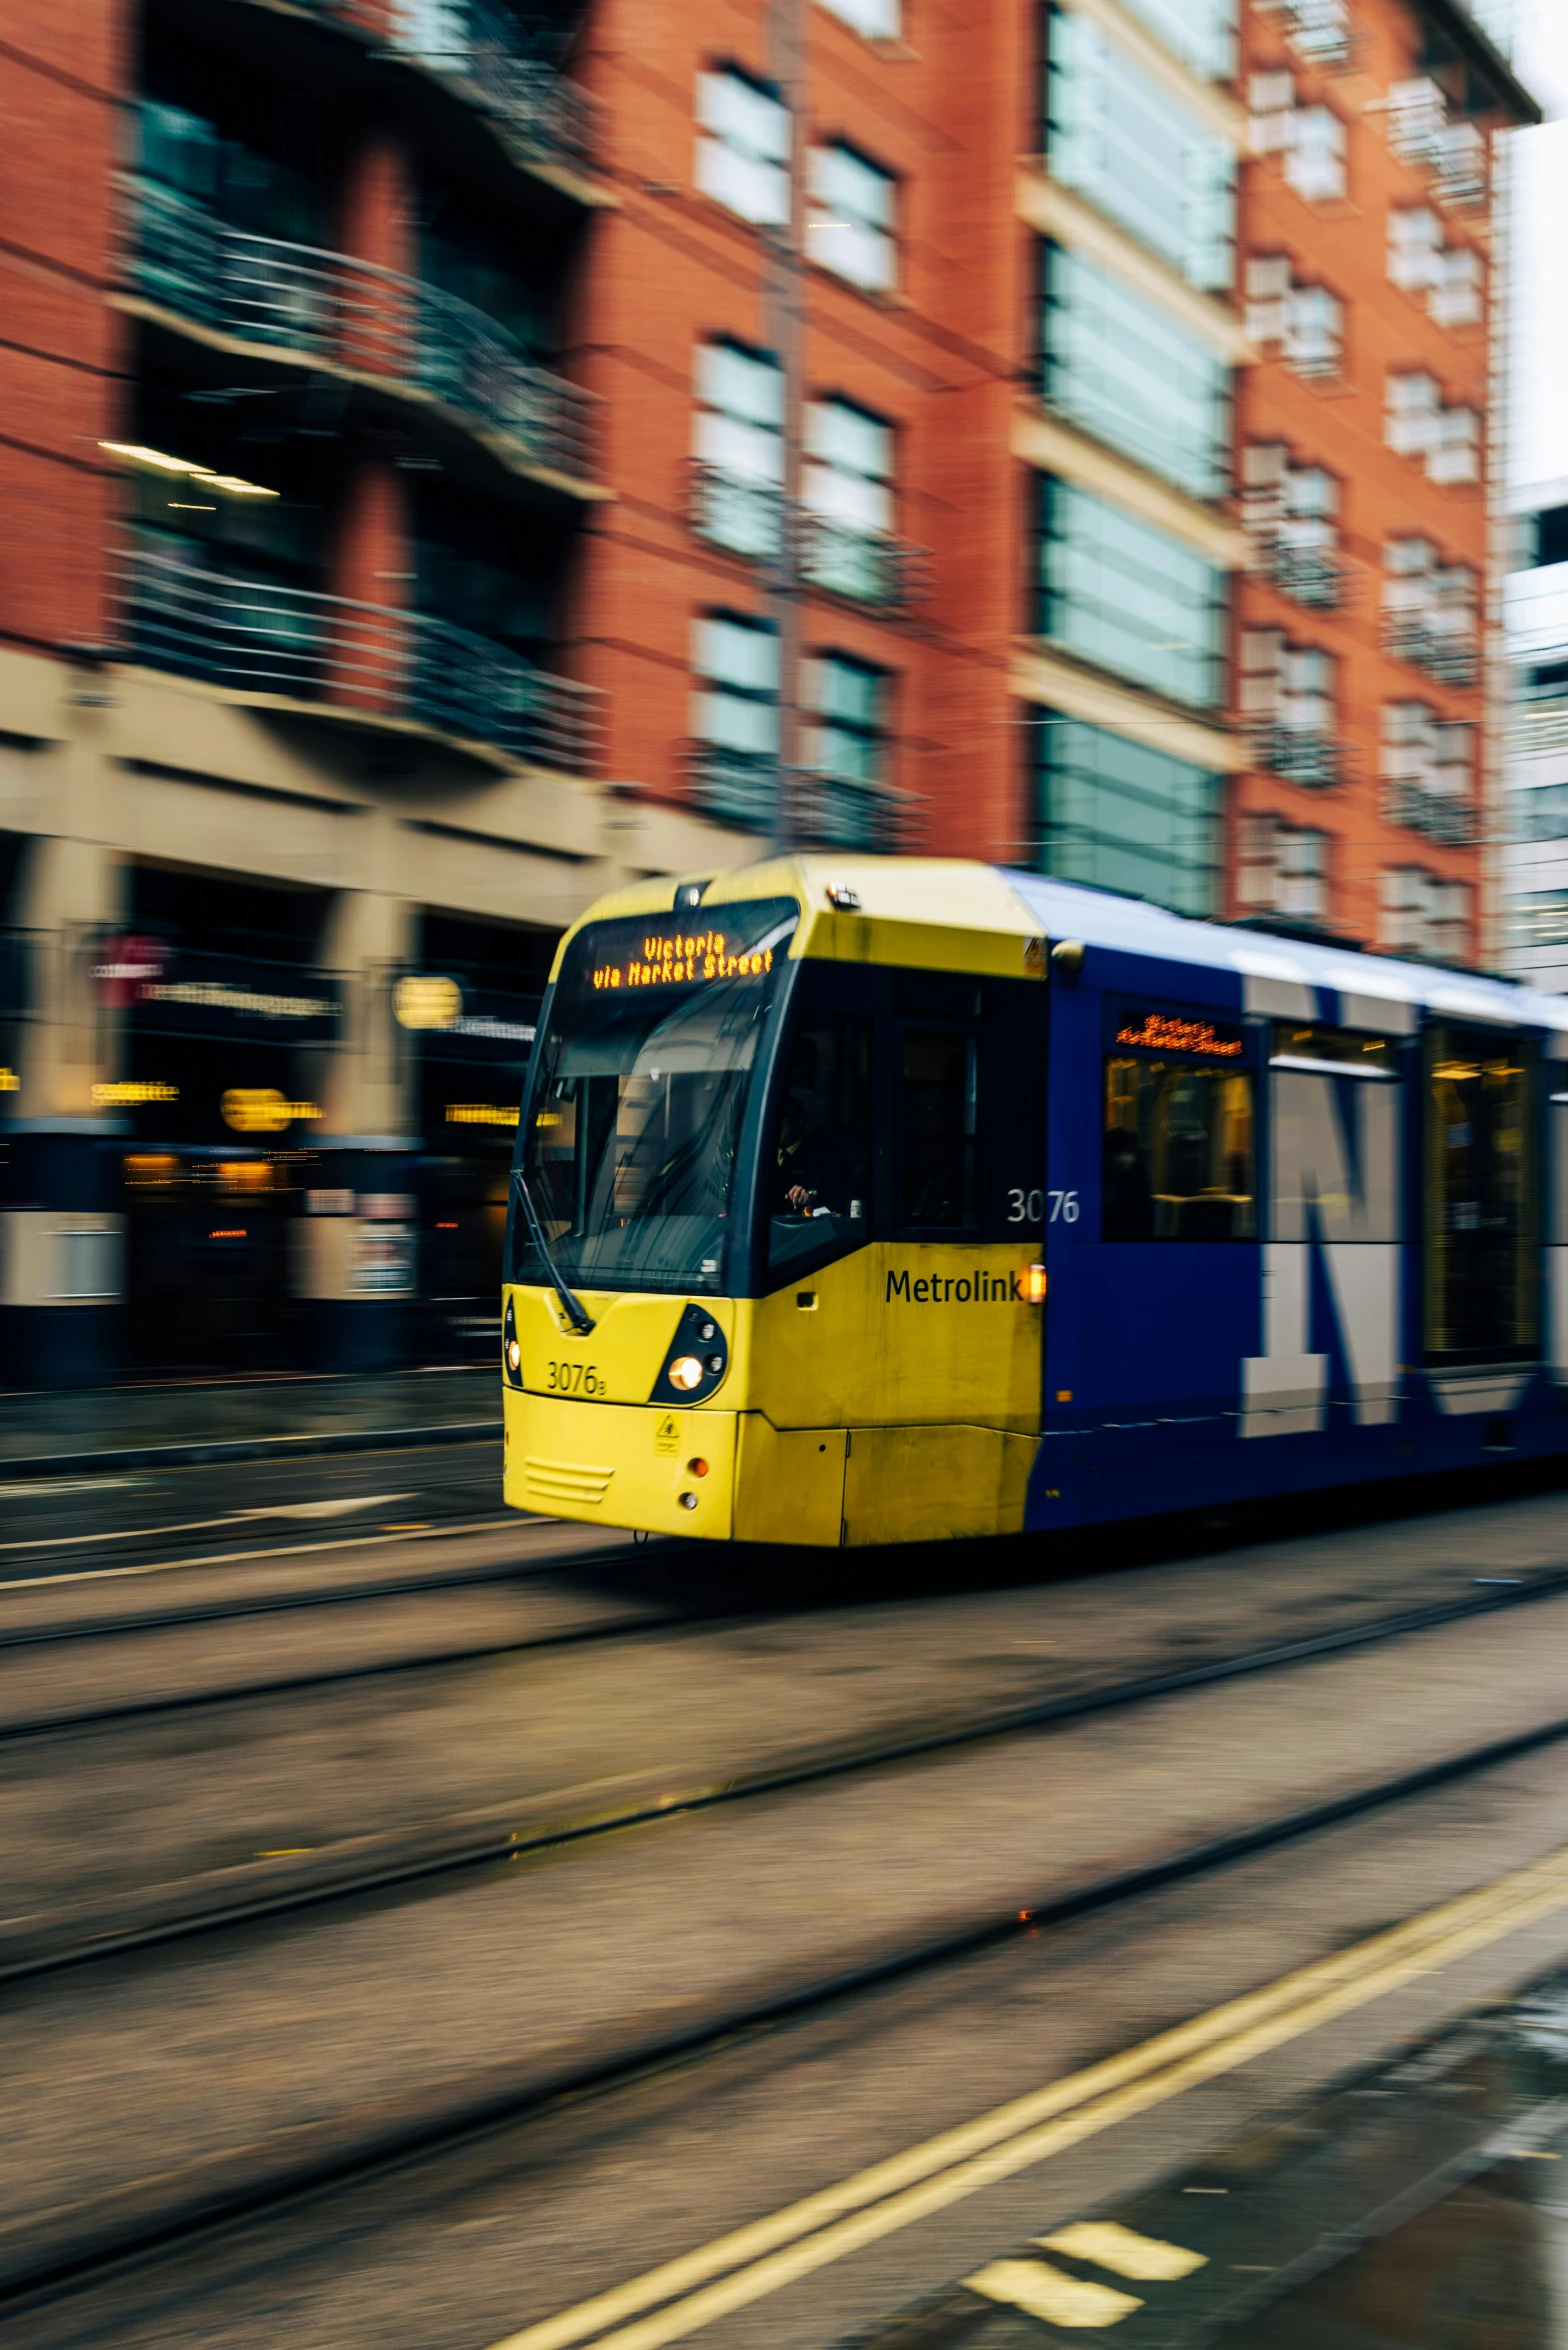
(660, 1470)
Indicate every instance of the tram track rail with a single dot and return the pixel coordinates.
(136, 2220)
(384, 1861)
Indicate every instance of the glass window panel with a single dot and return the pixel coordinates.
(1178, 1159)
(937, 1101)
(1128, 144)
(853, 187)
(1119, 815)
(818, 1164)
(845, 689)
(845, 436)
(1202, 32)
(738, 724)
(742, 383)
(728, 650)
(1481, 1205)
(879, 20)
(1127, 372)
(746, 118)
(1130, 597)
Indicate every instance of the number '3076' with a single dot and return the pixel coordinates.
(573, 1379)
(1028, 1207)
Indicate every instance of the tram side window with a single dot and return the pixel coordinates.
(1482, 1208)
(1179, 1154)
(818, 1165)
(937, 1115)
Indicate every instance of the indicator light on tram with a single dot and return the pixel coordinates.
(1035, 1284)
(696, 1468)
(685, 1372)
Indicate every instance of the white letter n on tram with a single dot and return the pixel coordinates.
(1334, 1187)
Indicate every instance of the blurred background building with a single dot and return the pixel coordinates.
(456, 457)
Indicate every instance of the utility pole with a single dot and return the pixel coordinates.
(784, 302)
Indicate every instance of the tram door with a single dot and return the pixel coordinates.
(1482, 1205)
(944, 1436)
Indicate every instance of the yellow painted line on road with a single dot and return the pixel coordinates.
(744, 2267)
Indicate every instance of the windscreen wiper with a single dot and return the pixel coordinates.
(571, 1305)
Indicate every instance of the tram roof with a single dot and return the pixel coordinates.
(1273, 972)
(1287, 978)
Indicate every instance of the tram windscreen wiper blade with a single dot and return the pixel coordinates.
(576, 1312)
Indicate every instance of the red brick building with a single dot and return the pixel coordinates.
(458, 456)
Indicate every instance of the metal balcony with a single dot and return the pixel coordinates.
(862, 565)
(365, 320)
(481, 51)
(1310, 576)
(1301, 755)
(732, 511)
(257, 637)
(1441, 816)
(1449, 655)
(811, 810)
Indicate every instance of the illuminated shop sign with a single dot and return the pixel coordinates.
(1175, 1032)
(261, 1109)
(480, 1114)
(129, 1093)
(217, 995)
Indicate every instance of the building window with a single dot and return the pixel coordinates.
(1282, 869)
(743, 143)
(1119, 815)
(1416, 424)
(1420, 262)
(1303, 325)
(1129, 145)
(1429, 611)
(735, 718)
(1428, 764)
(1290, 514)
(1132, 598)
(1421, 914)
(1287, 706)
(877, 20)
(1310, 140)
(850, 220)
(1125, 371)
(1201, 32)
(738, 435)
(846, 490)
(847, 739)
(1538, 918)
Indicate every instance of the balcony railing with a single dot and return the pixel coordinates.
(300, 298)
(824, 811)
(1302, 755)
(482, 51)
(1449, 655)
(1310, 576)
(259, 637)
(753, 518)
(1440, 815)
(864, 566)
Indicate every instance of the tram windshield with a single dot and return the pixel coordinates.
(645, 1069)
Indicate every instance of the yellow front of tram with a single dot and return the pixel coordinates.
(773, 1246)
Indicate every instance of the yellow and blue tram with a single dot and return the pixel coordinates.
(866, 1201)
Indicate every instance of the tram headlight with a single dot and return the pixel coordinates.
(698, 1359)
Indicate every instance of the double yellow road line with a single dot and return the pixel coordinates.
(675, 2300)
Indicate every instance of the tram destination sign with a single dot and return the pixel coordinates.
(1180, 1032)
(736, 944)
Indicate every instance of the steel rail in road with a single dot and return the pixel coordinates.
(51, 1941)
(140, 2217)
